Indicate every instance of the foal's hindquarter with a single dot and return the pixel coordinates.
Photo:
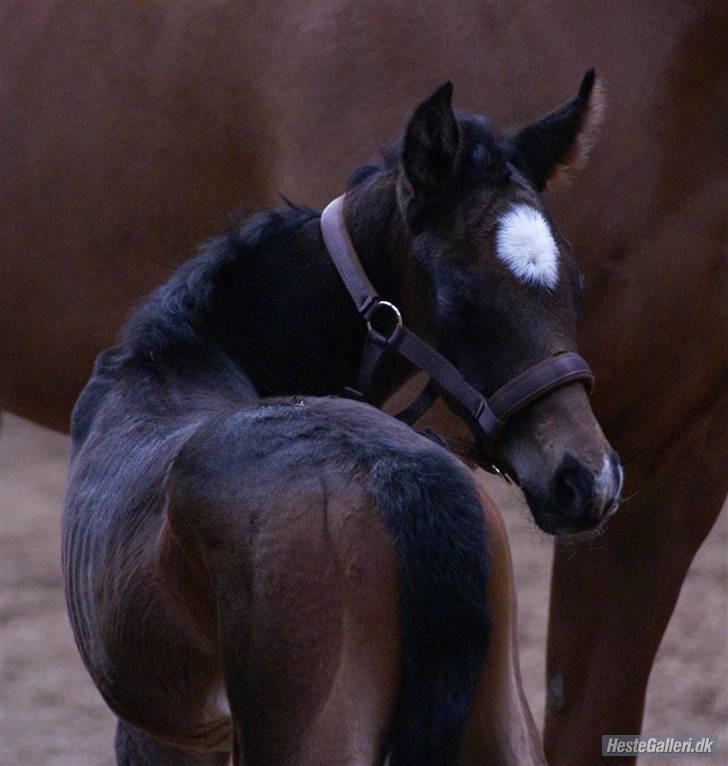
(240, 574)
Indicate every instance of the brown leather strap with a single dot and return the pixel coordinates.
(417, 408)
(473, 404)
(486, 417)
(553, 372)
(373, 355)
(340, 247)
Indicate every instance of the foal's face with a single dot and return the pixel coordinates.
(506, 290)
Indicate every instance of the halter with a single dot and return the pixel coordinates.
(386, 332)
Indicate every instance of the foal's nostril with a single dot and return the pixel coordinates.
(610, 483)
(573, 488)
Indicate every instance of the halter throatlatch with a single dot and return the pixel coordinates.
(386, 332)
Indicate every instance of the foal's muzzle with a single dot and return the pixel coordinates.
(580, 499)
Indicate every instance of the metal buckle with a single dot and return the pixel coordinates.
(497, 471)
(388, 331)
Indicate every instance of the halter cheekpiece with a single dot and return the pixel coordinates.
(386, 332)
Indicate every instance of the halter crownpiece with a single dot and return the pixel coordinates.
(486, 416)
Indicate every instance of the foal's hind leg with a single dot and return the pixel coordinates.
(306, 594)
(318, 678)
(135, 748)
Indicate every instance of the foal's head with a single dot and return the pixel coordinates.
(504, 286)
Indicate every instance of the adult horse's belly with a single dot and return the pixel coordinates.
(131, 132)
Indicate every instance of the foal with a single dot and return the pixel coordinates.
(254, 567)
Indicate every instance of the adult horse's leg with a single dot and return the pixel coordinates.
(135, 748)
(612, 599)
(309, 523)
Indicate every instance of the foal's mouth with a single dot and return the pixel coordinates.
(549, 518)
(573, 530)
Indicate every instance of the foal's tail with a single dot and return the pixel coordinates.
(431, 507)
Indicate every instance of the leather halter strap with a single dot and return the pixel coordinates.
(486, 416)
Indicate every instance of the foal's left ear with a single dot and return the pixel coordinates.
(429, 154)
(560, 142)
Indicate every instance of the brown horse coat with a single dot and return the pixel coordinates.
(128, 130)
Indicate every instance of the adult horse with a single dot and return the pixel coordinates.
(128, 130)
(308, 577)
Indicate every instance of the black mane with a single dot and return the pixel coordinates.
(183, 315)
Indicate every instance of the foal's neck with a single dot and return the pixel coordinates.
(305, 336)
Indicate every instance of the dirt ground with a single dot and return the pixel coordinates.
(50, 715)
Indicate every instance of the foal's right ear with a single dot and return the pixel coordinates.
(429, 154)
(560, 142)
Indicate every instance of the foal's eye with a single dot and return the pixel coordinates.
(481, 156)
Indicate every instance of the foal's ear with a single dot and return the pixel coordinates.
(429, 153)
(560, 142)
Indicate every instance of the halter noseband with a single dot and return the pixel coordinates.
(486, 416)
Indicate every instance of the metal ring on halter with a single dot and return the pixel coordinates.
(389, 306)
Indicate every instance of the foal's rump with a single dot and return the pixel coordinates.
(340, 560)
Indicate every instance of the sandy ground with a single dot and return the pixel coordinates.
(50, 715)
